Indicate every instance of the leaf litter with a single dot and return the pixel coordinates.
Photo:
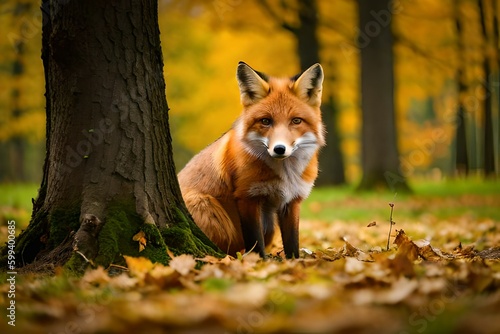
(343, 282)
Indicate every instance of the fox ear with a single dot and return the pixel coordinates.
(253, 85)
(309, 84)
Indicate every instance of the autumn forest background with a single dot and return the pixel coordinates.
(436, 126)
(440, 50)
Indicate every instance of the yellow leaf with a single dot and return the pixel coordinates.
(141, 238)
(183, 264)
(138, 266)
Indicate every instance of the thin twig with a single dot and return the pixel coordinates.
(85, 258)
(251, 250)
(391, 222)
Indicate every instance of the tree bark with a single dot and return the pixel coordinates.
(109, 171)
(379, 152)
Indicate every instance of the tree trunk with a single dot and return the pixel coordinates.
(489, 58)
(461, 154)
(331, 164)
(379, 153)
(108, 172)
(331, 160)
(16, 158)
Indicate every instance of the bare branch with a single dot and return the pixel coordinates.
(285, 25)
(421, 52)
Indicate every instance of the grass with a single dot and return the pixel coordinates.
(16, 204)
(446, 199)
(18, 195)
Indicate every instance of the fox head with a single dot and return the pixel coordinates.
(281, 116)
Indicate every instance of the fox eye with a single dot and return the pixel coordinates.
(296, 120)
(266, 121)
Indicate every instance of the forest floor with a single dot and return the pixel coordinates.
(441, 274)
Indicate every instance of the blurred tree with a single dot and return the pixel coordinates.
(17, 156)
(108, 172)
(461, 153)
(305, 31)
(486, 15)
(379, 153)
(14, 145)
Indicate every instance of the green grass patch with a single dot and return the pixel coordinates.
(470, 186)
(16, 204)
(445, 200)
(473, 197)
(18, 195)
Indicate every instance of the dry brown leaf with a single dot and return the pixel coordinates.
(141, 238)
(162, 276)
(329, 254)
(215, 260)
(249, 294)
(398, 291)
(427, 252)
(138, 266)
(123, 281)
(183, 264)
(350, 250)
(96, 276)
(406, 247)
(353, 266)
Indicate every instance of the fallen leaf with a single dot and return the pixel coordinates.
(96, 276)
(138, 266)
(123, 281)
(183, 264)
(397, 292)
(353, 266)
(249, 294)
(350, 250)
(141, 238)
(406, 247)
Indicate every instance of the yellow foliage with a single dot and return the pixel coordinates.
(23, 91)
(204, 40)
(202, 91)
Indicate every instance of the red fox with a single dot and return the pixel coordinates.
(259, 171)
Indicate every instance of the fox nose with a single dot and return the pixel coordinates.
(279, 149)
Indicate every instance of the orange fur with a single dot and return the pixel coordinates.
(262, 168)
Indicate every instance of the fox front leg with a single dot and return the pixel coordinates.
(288, 219)
(251, 226)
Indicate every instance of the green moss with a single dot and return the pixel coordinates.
(76, 265)
(59, 223)
(62, 221)
(156, 249)
(185, 237)
(116, 237)
(121, 224)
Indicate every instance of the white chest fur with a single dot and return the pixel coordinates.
(289, 184)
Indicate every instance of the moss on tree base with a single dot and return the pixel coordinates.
(115, 239)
